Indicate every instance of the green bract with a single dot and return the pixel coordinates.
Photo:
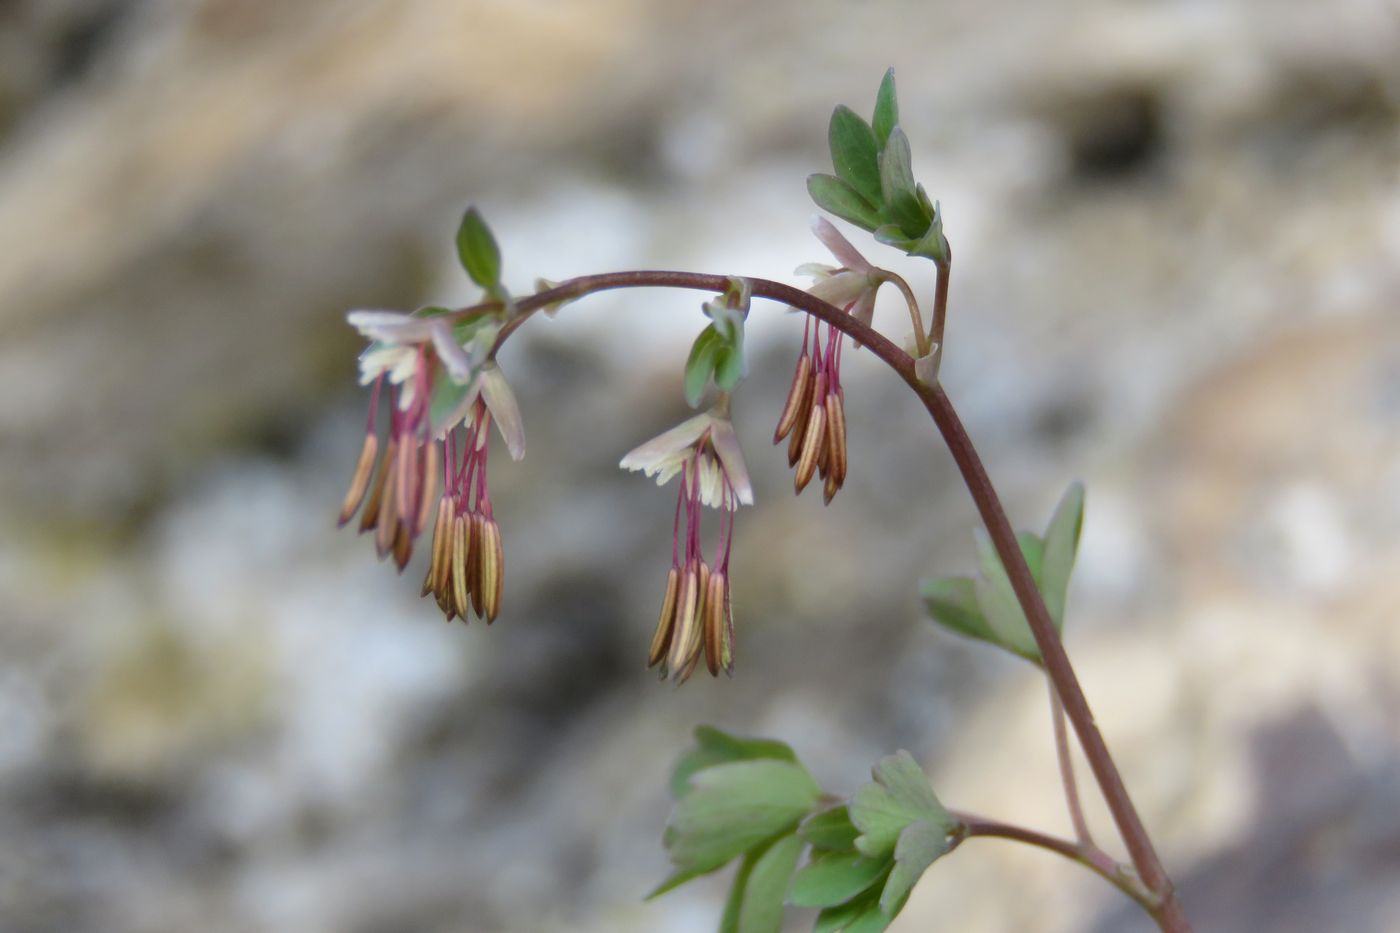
(477, 250)
(718, 351)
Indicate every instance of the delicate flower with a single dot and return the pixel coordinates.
(696, 615)
(445, 396)
(853, 284)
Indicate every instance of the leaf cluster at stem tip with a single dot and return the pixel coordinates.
(874, 186)
(752, 801)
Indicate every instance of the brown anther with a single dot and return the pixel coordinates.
(387, 527)
(665, 625)
(403, 546)
(804, 417)
(715, 602)
(829, 488)
(492, 569)
(475, 534)
(440, 568)
(461, 560)
(793, 407)
(359, 483)
(813, 441)
(407, 475)
(430, 466)
(836, 436)
(370, 517)
(687, 635)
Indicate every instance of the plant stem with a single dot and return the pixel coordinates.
(1062, 754)
(1168, 912)
(1088, 855)
(940, 296)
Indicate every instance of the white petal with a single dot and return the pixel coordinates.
(841, 289)
(665, 445)
(459, 365)
(391, 326)
(711, 483)
(816, 270)
(840, 247)
(731, 458)
(500, 401)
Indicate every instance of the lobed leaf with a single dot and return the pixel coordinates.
(761, 908)
(835, 878)
(886, 109)
(855, 154)
(919, 846)
(899, 796)
(1061, 546)
(733, 807)
(838, 197)
(713, 747)
(830, 829)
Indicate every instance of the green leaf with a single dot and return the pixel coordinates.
(919, 846)
(830, 829)
(933, 245)
(1032, 551)
(729, 367)
(861, 914)
(480, 256)
(733, 807)
(952, 603)
(901, 200)
(893, 235)
(762, 908)
(835, 878)
(701, 363)
(997, 600)
(713, 747)
(1061, 545)
(886, 109)
(836, 196)
(446, 403)
(854, 152)
(678, 878)
(729, 920)
(899, 796)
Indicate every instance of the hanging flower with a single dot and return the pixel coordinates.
(696, 613)
(444, 397)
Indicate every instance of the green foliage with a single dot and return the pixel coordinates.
(479, 254)
(718, 351)
(874, 186)
(750, 800)
(986, 608)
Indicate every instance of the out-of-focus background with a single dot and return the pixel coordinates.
(1177, 230)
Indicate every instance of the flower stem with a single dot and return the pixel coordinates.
(1062, 755)
(1086, 854)
(1167, 911)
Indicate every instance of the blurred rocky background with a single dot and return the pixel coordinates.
(1177, 230)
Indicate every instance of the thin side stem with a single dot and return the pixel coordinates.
(1089, 856)
(940, 296)
(1062, 754)
(1168, 912)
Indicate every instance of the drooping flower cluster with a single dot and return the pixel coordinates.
(814, 416)
(697, 616)
(443, 398)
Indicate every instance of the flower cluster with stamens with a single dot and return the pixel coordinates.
(814, 416)
(697, 616)
(443, 399)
